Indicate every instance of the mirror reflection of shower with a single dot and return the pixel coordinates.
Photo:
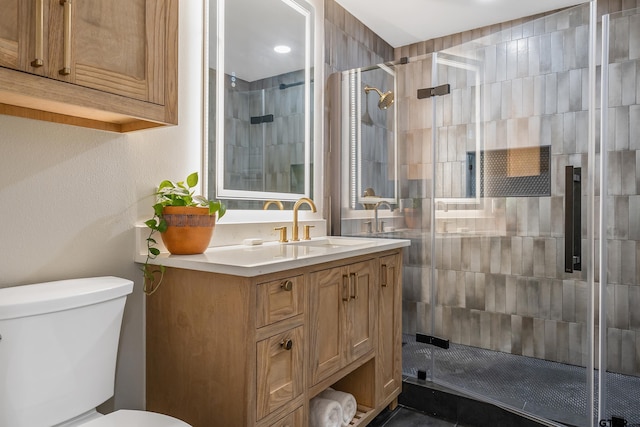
(386, 98)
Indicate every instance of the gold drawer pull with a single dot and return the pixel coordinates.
(39, 53)
(66, 67)
(287, 285)
(286, 344)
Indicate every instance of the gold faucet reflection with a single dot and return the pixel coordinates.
(299, 203)
(268, 203)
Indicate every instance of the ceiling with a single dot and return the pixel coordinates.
(259, 25)
(403, 22)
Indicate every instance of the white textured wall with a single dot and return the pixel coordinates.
(69, 198)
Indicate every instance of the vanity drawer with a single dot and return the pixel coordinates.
(294, 419)
(279, 300)
(280, 368)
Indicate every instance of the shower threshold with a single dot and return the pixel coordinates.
(544, 389)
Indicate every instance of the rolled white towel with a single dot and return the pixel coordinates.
(324, 413)
(347, 403)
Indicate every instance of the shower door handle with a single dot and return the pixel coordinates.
(572, 220)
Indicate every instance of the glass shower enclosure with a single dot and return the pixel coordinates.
(495, 178)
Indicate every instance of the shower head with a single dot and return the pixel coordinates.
(386, 99)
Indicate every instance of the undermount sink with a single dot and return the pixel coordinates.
(334, 242)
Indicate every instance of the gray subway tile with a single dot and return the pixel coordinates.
(577, 344)
(568, 301)
(516, 335)
(628, 261)
(550, 340)
(562, 342)
(539, 338)
(614, 349)
(621, 307)
(526, 338)
(628, 360)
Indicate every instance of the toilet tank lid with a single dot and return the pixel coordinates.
(41, 298)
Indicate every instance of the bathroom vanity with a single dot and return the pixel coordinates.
(246, 336)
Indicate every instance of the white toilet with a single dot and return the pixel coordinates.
(58, 347)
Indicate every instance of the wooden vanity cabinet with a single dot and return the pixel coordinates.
(246, 351)
(106, 65)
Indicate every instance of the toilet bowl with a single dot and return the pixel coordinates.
(58, 350)
(125, 417)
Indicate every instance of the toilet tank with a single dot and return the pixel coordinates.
(58, 347)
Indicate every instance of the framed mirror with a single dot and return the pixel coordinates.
(259, 136)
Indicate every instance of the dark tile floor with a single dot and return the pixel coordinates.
(407, 417)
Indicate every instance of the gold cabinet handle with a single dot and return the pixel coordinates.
(346, 288)
(383, 273)
(66, 66)
(286, 344)
(38, 60)
(287, 285)
(353, 278)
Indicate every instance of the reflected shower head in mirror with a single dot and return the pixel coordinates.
(386, 99)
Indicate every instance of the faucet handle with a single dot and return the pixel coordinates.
(283, 234)
(307, 228)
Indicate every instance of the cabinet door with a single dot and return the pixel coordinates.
(118, 46)
(328, 295)
(12, 42)
(360, 323)
(280, 367)
(389, 358)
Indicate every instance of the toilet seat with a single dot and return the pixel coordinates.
(129, 418)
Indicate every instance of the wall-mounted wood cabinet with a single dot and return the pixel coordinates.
(244, 351)
(106, 65)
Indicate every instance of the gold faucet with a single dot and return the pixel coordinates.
(300, 202)
(268, 203)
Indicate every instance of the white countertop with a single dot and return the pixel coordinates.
(271, 257)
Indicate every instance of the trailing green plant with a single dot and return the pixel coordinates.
(416, 203)
(171, 193)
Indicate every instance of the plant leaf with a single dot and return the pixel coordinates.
(154, 251)
(162, 226)
(151, 223)
(165, 184)
(192, 180)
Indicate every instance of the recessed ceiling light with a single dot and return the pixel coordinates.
(282, 49)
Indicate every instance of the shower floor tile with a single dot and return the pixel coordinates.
(550, 390)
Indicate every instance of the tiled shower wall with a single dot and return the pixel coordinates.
(348, 43)
(503, 286)
(272, 147)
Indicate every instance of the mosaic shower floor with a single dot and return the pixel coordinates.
(546, 389)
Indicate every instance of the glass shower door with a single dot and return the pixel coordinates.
(619, 296)
(511, 156)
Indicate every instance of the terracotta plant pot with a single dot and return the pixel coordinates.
(412, 218)
(189, 229)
